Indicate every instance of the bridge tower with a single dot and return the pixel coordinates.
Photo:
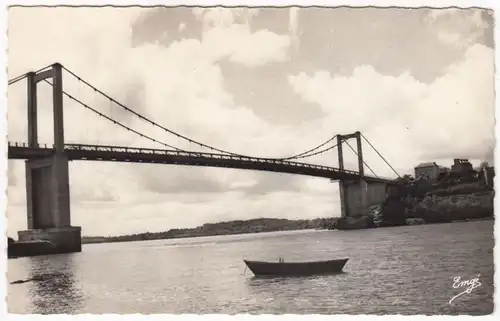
(47, 179)
(354, 195)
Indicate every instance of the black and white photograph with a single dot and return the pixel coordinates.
(331, 160)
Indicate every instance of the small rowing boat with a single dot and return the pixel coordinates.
(295, 268)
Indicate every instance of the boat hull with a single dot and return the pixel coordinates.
(296, 268)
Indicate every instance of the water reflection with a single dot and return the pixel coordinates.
(270, 286)
(54, 288)
(290, 295)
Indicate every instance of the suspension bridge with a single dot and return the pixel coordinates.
(47, 177)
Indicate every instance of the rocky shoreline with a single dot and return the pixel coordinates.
(407, 204)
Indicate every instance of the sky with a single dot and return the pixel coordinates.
(269, 82)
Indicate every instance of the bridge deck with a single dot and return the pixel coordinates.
(159, 156)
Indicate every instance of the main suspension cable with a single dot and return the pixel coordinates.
(21, 77)
(117, 122)
(144, 118)
(318, 152)
(301, 155)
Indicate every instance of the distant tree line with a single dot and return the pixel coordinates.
(222, 228)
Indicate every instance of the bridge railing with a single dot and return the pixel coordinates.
(166, 152)
(25, 145)
(138, 150)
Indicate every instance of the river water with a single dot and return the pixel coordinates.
(400, 270)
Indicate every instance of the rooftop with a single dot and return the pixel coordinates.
(428, 164)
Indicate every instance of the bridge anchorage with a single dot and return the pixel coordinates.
(47, 176)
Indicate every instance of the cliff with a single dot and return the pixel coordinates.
(437, 203)
(454, 197)
(437, 209)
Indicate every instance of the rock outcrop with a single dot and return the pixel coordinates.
(436, 204)
(414, 221)
(440, 209)
(353, 223)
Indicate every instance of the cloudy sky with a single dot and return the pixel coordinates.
(265, 82)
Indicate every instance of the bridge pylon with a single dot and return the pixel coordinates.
(47, 179)
(357, 196)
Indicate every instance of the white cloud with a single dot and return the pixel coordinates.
(451, 117)
(251, 49)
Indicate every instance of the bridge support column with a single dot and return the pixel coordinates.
(47, 179)
(365, 206)
(343, 199)
(47, 195)
(342, 185)
(360, 196)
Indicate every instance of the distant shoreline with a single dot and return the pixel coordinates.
(235, 227)
(279, 226)
(203, 236)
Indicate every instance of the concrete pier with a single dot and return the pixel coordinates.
(357, 198)
(47, 195)
(65, 239)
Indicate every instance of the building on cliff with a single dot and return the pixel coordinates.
(462, 166)
(443, 171)
(430, 171)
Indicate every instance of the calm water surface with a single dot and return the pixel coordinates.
(402, 270)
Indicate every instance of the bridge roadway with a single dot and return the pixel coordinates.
(159, 156)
